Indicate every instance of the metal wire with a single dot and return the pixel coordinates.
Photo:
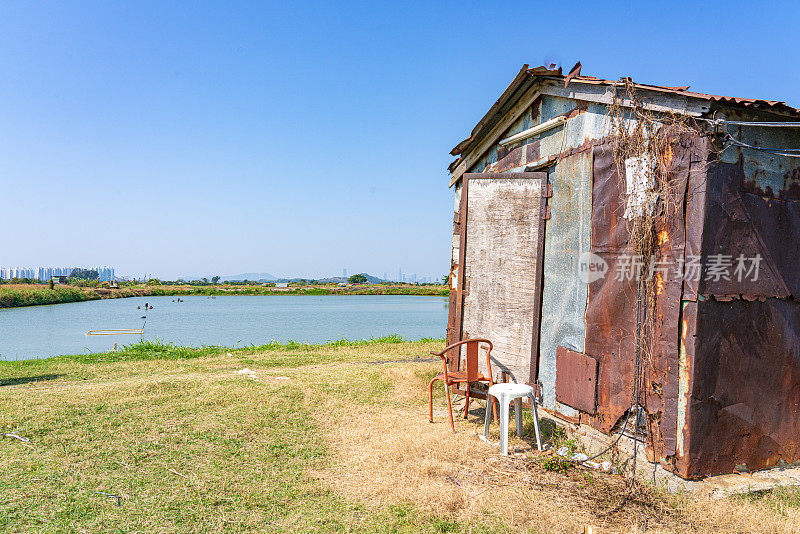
(788, 152)
(761, 124)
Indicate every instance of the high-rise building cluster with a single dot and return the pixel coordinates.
(43, 274)
(106, 274)
(412, 278)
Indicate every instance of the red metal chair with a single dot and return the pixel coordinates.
(469, 376)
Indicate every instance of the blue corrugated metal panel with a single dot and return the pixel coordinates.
(523, 123)
(592, 123)
(564, 297)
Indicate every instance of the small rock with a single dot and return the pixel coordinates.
(246, 372)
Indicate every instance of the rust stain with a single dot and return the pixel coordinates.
(611, 319)
(789, 191)
(753, 188)
(791, 185)
(576, 379)
(666, 156)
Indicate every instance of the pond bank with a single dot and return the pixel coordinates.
(18, 295)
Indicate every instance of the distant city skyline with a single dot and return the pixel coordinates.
(43, 274)
(108, 274)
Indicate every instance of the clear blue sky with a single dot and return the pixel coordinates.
(205, 138)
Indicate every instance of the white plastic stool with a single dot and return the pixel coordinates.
(505, 393)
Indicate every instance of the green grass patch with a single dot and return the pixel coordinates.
(778, 499)
(165, 350)
(35, 296)
(190, 452)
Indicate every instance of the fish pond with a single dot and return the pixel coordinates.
(234, 321)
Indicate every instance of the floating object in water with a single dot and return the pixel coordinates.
(138, 307)
(143, 317)
(113, 332)
(118, 332)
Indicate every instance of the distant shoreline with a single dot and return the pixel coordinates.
(21, 295)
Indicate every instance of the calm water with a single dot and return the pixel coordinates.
(43, 331)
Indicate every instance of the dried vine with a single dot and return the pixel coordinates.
(643, 141)
(643, 144)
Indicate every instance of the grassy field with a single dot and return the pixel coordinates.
(298, 438)
(14, 295)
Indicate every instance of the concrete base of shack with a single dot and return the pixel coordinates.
(594, 441)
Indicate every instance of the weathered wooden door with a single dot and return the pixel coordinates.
(501, 236)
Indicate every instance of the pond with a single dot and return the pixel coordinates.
(44, 331)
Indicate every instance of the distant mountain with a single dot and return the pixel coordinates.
(254, 277)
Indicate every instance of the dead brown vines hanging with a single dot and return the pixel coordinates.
(643, 143)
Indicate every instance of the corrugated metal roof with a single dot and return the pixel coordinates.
(528, 76)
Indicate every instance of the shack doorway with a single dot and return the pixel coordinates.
(501, 258)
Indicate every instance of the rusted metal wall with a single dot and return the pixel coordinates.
(576, 380)
(611, 309)
(742, 396)
(767, 175)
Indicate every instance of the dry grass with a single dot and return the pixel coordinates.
(387, 452)
(322, 439)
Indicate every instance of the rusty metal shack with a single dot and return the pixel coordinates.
(542, 223)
